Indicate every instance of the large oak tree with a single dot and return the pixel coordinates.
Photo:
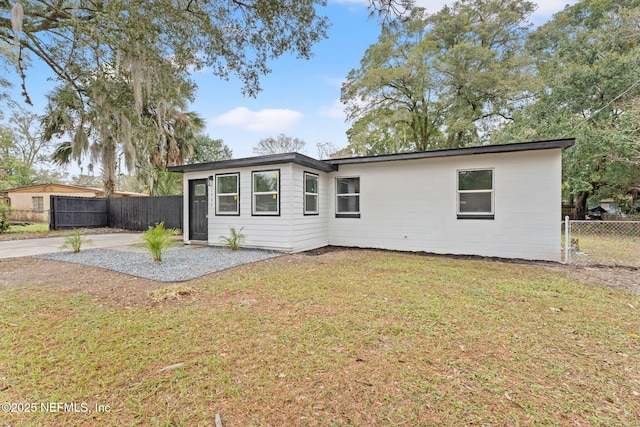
(441, 80)
(588, 63)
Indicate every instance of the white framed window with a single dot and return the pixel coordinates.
(310, 194)
(348, 197)
(475, 194)
(266, 192)
(37, 203)
(228, 194)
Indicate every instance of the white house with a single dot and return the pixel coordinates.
(499, 201)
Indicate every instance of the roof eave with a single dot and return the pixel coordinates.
(331, 165)
(273, 159)
(485, 149)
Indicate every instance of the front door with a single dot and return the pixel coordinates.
(198, 207)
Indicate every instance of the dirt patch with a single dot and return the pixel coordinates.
(121, 290)
(614, 277)
(103, 285)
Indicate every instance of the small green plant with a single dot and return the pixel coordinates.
(4, 217)
(75, 240)
(157, 239)
(234, 241)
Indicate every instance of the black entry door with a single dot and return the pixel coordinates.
(198, 206)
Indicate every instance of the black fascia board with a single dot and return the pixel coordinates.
(272, 159)
(332, 165)
(485, 149)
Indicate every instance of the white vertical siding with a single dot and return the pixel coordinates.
(411, 205)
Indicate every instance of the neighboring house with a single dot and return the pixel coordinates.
(498, 200)
(609, 205)
(32, 203)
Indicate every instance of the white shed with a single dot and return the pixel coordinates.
(499, 201)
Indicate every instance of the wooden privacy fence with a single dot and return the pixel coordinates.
(131, 213)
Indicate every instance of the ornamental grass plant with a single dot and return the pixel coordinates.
(157, 239)
(234, 240)
(75, 240)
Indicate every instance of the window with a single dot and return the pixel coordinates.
(200, 190)
(228, 194)
(310, 194)
(347, 197)
(266, 188)
(475, 194)
(38, 204)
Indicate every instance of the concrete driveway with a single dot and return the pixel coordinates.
(47, 245)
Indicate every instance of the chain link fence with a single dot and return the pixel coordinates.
(612, 243)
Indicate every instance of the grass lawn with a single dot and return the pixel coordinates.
(607, 250)
(355, 338)
(31, 231)
(31, 228)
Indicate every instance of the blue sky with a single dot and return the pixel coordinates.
(302, 98)
(299, 98)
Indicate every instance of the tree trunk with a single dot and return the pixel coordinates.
(109, 187)
(581, 205)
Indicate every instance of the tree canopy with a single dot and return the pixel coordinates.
(226, 37)
(476, 73)
(441, 80)
(281, 144)
(588, 63)
(122, 65)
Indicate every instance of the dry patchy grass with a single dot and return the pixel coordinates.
(607, 250)
(345, 338)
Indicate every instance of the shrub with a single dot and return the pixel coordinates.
(75, 241)
(157, 239)
(4, 218)
(234, 241)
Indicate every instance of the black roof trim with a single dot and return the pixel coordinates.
(332, 164)
(299, 159)
(485, 149)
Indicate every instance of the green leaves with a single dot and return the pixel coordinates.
(157, 239)
(75, 240)
(440, 81)
(72, 38)
(234, 240)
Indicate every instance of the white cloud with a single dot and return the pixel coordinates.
(546, 8)
(265, 120)
(549, 7)
(365, 2)
(333, 111)
(333, 81)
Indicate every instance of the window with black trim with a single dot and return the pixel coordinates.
(266, 192)
(228, 194)
(348, 197)
(310, 193)
(475, 194)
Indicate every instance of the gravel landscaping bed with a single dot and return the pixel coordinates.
(176, 266)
